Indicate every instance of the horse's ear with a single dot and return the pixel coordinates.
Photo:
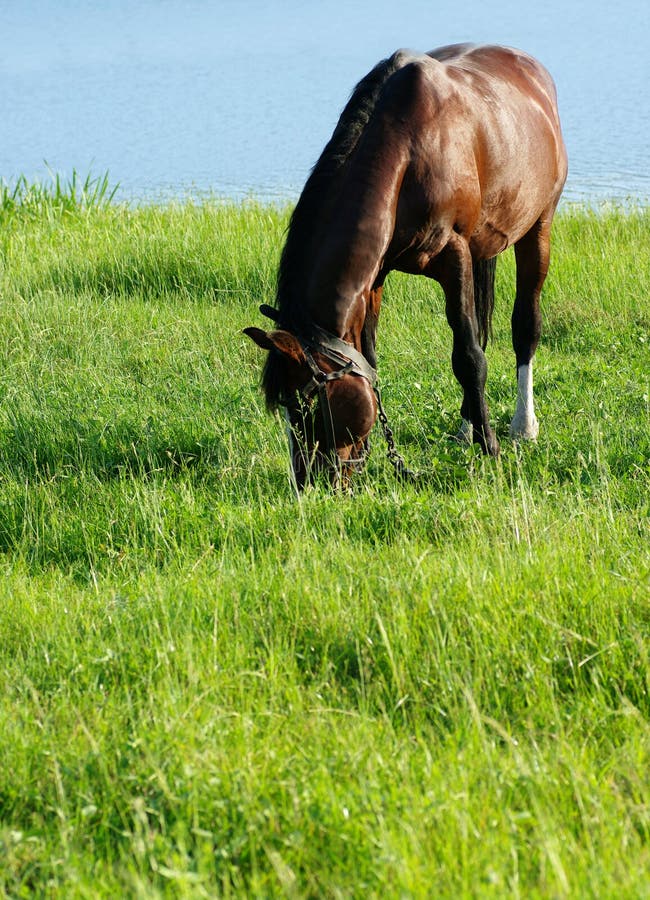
(283, 341)
(260, 337)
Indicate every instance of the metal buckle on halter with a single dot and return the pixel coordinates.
(319, 379)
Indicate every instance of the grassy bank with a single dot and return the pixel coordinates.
(209, 688)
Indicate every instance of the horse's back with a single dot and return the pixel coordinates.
(488, 152)
(494, 66)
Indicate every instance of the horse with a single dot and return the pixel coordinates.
(438, 163)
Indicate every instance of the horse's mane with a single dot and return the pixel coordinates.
(296, 256)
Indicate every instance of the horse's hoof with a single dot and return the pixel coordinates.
(524, 429)
(465, 434)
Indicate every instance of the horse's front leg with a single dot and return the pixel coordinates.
(369, 331)
(368, 339)
(454, 271)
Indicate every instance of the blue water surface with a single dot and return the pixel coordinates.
(177, 98)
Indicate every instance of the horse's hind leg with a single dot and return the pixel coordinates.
(532, 257)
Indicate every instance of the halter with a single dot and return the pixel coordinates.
(350, 362)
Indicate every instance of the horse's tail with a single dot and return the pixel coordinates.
(484, 271)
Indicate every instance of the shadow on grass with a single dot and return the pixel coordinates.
(158, 274)
(105, 452)
(359, 671)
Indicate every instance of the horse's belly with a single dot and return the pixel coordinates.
(507, 214)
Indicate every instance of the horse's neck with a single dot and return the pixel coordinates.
(353, 244)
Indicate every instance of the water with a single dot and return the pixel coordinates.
(238, 97)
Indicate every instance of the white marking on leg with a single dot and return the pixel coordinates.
(524, 425)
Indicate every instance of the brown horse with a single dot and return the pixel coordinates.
(438, 163)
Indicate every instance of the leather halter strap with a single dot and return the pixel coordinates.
(338, 351)
(315, 339)
(319, 378)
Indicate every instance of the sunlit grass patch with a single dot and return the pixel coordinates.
(210, 687)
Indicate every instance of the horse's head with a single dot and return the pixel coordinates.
(326, 389)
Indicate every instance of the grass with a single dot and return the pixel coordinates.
(61, 194)
(209, 688)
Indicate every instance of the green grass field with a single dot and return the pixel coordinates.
(210, 688)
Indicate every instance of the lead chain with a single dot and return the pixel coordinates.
(397, 461)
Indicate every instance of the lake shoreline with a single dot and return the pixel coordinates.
(91, 189)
